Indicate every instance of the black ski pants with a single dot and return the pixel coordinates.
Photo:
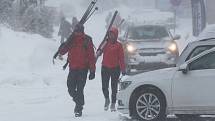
(114, 74)
(76, 82)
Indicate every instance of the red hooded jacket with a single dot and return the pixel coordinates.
(113, 54)
(80, 57)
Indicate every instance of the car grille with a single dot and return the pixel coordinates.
(151, 52)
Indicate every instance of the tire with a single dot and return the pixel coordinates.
(139, 108)
(185, 117)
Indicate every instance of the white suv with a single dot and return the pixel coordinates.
(187, 90)
(149, 47)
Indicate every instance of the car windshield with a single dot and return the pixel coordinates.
(147, 32)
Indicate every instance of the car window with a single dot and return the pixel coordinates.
(148, 32)
(198, 50)
(205, 62)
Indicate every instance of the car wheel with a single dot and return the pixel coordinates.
(185, 117)
(149, 105)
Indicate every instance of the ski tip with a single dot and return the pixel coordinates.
(94, 1)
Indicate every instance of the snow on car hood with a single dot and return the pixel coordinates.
(158, 75)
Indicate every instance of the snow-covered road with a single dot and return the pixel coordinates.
(50, 103)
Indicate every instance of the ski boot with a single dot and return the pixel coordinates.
(78, 114)
(78, 111)
(107, 103)
(112, 107)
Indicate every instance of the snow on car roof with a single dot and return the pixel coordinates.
(137, 14)
(207, 33)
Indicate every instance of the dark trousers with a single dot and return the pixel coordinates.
(76, 82)
(114, 74)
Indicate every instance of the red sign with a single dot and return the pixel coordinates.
(175, 2)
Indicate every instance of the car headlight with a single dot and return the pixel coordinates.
(172, 47)
(130, 48)
(124, 84)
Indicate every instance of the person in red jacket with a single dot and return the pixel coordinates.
(81, 59)
(112, 65)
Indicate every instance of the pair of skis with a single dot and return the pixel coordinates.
(100, 49)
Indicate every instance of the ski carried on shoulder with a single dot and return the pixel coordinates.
(99, 51)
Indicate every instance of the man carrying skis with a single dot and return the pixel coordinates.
(112, 65)
(81, 58)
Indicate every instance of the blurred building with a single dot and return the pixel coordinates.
(210, 11)
(146, 4)
(184, 10)
(163, 5)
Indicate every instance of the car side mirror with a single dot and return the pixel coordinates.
(184, 68)
(176, 37)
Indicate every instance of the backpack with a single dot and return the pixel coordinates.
(87, 39)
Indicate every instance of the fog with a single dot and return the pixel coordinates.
(74, 7)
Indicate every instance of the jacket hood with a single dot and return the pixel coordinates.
(79, 28)
(115, 31)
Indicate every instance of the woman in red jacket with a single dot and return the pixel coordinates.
(112, 65)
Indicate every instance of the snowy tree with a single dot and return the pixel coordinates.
(38, 20)
(32, 16)
(5, 10)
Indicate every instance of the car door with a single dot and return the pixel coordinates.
(195, 91)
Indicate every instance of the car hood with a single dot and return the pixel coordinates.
(158, 75)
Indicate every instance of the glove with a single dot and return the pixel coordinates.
(123, 73)
(92, 75)
(60, 57)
